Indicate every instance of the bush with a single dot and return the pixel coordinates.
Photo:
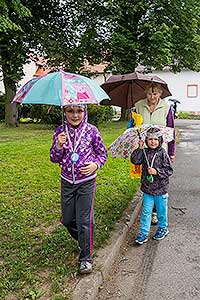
(44, 114)
(98, 114)
(41, 113)
(183, 115)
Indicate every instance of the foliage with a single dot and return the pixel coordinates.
(188, 115)
(7, 23)
(124, 33)
(155, 34)
(44, 114)
(59, 30)
(53, 115)
(183, 115)
(37, 255)
(99, 114)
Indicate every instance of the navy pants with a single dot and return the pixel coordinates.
(77, 203)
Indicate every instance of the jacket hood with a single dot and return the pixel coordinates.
(154, 132)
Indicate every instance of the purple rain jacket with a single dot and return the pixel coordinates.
(161, 163)
(90, 148)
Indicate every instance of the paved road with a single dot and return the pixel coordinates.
(169, 269)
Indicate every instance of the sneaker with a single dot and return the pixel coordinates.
(154, 220)
(85, 267)
(141, 238)
(161, 233)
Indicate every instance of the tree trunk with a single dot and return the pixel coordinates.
(11, 111)
(124, 114)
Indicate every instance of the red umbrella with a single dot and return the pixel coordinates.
(126, 89)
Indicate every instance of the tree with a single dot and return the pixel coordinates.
(12, 51)
(125, 33)
(59, 30)
(155, 34)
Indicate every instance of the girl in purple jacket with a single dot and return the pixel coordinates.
(80, 151)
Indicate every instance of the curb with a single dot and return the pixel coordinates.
(88, 286)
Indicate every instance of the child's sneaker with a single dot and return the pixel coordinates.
(161, 233)
(141, 238)
(85, 267)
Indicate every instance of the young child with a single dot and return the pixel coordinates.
(80, 151)
(156, 169)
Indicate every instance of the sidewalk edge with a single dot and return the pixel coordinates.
(88, 285)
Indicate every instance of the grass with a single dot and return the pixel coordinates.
(188, 115)
(38, 258)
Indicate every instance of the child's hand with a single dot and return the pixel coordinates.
(61, 140)
(89, 168)
(152, 171)
(141, 144)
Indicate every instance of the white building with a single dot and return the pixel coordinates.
(29, 69)
(184, 86)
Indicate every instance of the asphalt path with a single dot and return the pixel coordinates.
(168, 269)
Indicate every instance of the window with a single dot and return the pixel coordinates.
(192, 90)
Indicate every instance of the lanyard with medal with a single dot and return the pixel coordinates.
(150, 176)
(74, 156)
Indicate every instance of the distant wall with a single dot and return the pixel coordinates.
(185, 87)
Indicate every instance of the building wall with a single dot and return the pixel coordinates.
(185, 87)
(28, 69)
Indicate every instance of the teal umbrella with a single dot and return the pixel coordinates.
(61, 89)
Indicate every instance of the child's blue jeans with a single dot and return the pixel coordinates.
(160, 203)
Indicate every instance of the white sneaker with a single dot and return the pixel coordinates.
(85, 267)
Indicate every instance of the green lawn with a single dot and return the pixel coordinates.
(38, 259)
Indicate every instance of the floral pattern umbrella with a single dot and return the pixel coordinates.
(124, 145)
(61, 89)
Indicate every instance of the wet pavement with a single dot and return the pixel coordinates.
(169, 269)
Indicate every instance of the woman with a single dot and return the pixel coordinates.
(156, 111)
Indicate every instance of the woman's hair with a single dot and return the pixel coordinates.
(153, 86)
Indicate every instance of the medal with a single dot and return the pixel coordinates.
(150, 178)
(74, 157)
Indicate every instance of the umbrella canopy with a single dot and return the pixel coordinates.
(61, 89)
(124, 90)
(174, 100)
(124, 145)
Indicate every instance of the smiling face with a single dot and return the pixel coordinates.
(153, 143)
(153, 93)
(74, 114)
(153, 96)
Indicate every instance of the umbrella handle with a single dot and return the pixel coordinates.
(63, 124)
(139, 135)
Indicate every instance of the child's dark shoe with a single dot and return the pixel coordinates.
(85, 267)
(161, 233)
(141, 239)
